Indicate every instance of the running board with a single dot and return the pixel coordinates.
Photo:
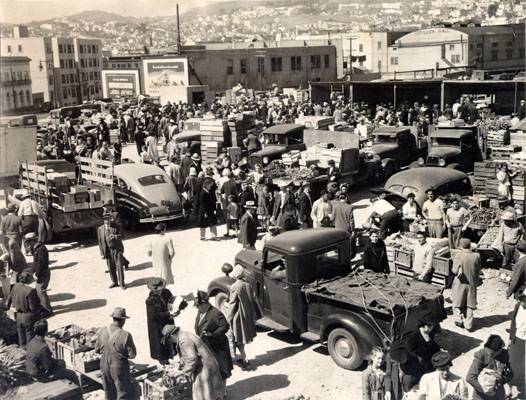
(310, 337)
(266, 322)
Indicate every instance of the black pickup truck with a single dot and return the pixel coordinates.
(304, 283)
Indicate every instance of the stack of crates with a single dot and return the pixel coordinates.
(238, 131)
(504, 152)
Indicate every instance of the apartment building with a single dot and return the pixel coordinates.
(88, 57)
(15, 83)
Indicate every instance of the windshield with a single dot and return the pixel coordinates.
(152, 180)
(446, 142)
(384, 138)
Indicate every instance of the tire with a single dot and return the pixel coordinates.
(220, 299)
(344, 349)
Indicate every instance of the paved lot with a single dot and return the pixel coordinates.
(284, 366)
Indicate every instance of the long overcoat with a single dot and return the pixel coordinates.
(157, 316)
(206, 209)
(242, 312)
(248, 231)
(464, 288)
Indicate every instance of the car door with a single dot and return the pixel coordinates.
(276, 298)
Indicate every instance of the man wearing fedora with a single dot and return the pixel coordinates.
(441, 383)
(196, 162)
(117, 348)
(112, 250)
(248, 231)
(510, 232)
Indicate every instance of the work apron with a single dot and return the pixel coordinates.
(115, 370)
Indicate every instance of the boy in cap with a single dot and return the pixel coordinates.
(117, 347)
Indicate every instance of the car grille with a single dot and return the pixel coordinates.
(432, 160)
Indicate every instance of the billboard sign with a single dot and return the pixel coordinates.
(162, 74)
(120, 84)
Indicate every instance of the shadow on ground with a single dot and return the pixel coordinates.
(274, 356)
(140, 267)
(61, 297)
(138, 282)
(456, 343)
(69, 264)
(489, 321)
(255, 385)
(80, 306)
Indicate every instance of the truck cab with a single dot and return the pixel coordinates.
(452, 148)
(278, 140)
(288, 278)
(396, 147)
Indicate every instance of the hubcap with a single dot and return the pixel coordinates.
(343, 348)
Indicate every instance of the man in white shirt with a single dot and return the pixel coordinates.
(433, 212)
(30, 212)
(456, 218)
(409, 211)
(423, 258)
(439, 384)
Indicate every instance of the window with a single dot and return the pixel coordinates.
(295, 63)
(509, 54)
(71, 64)
(455, 58)
(93, 49)
(243, 65)
(19, 75)
(90, 75)
(129, 65)
(21, 97)
(26, 75)
(509, 44)
(70, 49)
(394, 60)
(451, 47)
(20, 48)
(494, 55)
(230, 66)
(471, 47)
(64, 93)
(327, 60)
(82, 63)
(72, 78)
(152, 180)
(495, 44)
(9, 49)
(63, 79)
(379, 45)
(479, 45)
(89, 48)
(60, 49)
(81, 48)
(73, 91)
(28, 97)
(275, 64)
(360, 47)
(89, 62)
(7, 77)
(261, 65)
(327, 260)
(315, 61)
(95, 74)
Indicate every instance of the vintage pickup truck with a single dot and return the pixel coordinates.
(304, 283)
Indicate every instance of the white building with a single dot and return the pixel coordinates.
(15, 83)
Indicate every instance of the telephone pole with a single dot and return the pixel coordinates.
(178, 30)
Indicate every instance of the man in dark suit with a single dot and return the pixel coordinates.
(212, 326)
(518, 279)
(230, 187)
(248, 232)
(112, 249)
(284, 204)
(305, 207)
(333, 172)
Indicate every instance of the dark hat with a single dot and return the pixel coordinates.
(227, 268)
(426, 319)
(399, 351)
(494, 342)
(441, 359)
(119, 313)
(26, 276)
(521, 246)
(160, 227)
(156, 283)
(200, 297)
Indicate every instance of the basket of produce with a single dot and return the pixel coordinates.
(12, 369)
(483, 217)
(169, 383)
(73, 339)
(87, 361)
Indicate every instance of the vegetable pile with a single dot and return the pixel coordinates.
(484, 216)
(171, 378)
(12, 367)
(75, 336)
(90, 355)
(276, 169)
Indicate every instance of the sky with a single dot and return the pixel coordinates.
(21, 11)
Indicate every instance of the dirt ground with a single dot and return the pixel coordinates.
(284, 366)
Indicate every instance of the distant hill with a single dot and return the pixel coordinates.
(100, 17)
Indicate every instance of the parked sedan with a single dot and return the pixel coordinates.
(145, 194)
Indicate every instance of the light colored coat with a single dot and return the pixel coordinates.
(161, 249)
(429, 388)
(464, 288)
(241, 312)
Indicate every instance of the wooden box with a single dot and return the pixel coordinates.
(82, 365)
(155, 391)
(442, 265)
(403, 257)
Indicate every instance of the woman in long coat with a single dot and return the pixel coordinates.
(242, 314)
(206, 211)
(211, 326)
(161, 249)
(199, 363)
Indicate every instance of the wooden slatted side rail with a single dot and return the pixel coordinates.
(96, 171)
(34, 178)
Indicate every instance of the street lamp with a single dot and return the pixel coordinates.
(50, 67)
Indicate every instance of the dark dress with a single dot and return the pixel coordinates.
(375, 257)
(424, 350)
(158, 316)
(214, 322)
(206, 209)
(248, 232)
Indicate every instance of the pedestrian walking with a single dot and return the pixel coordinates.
(456, 219)
(284, 205)
(241, 316)
(517, 346)
(158, 315)
(117, 348)
(232, 216)
(211, 326)
(305, 206)
(510, 233)
(248, 231)
(161, 250)
(24, 300)
(441, 383)
(264, 209)
(112, 250)
(518, 278)
(139, 138)
(151, 149)
(206, 212)
(433, 212)
(42, 272)
(198, 363)
(30, 212)
(375, 254)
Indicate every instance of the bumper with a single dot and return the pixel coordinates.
(161, 218)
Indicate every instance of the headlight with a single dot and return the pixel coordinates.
(442, 162)
(265, 160)
(421, 161)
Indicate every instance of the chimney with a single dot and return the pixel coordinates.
(20, 31)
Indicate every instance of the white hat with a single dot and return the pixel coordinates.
(196, 157)
(238, 271)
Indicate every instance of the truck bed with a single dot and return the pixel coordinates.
(378, 293)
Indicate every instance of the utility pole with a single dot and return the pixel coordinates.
(350, 59)
(178, 30)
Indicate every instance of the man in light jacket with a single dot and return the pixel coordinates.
(442, 382)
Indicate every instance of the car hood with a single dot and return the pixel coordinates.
(270, 149)
(381, 148)
(444, 151)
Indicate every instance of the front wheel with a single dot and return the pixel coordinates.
(344, 349)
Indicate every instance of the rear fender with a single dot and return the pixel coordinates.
(221, 284)
(365, 335)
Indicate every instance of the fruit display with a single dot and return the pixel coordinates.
(169, 382)
(484, 216)
(75, 336)
(90, 355)
(276, 169)
(489, 237)
(12, 367)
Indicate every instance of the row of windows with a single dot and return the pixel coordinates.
(18, 76)
(17, 99)
(67, 64)
(73, 91)
(125, 65)
(276, 64)
(66, 48)
(86, 63)
(10, 49)
(86, 48)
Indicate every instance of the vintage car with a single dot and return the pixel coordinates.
(420, 180)
(145, 194)
(279, 139)
(452, 148)
(304, 283)
(396, 147)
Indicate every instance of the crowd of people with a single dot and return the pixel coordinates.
(247, 201)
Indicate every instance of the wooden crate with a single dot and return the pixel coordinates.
(403, 257)
(442, 265)
(154, 391)
(437, 279)
(61, 389)
(85, 366)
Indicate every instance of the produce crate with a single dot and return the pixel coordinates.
(442, 265)
(68, 353)
(82, 365)
(155, 391)
(403, 258)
